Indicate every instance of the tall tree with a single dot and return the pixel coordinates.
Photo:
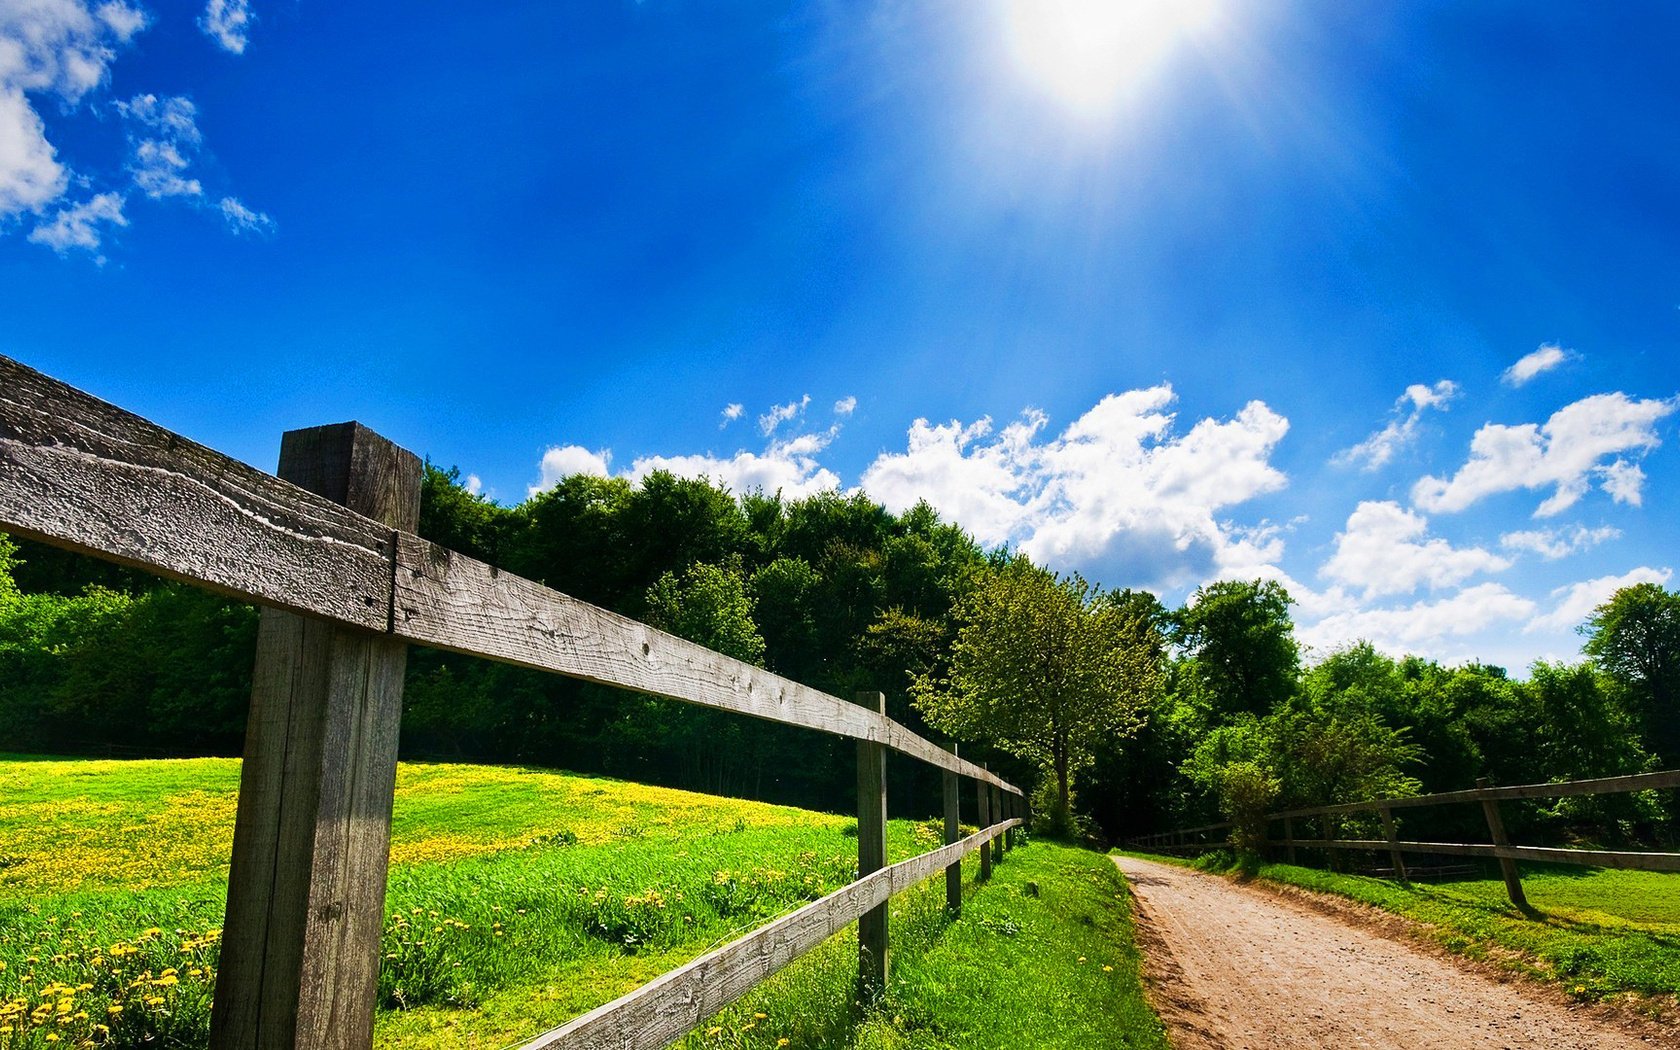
(1635, 639)
(1042, 667)
(1243, 643)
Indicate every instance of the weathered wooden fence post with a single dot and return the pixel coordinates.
(997, 817)
(984, 798)
(1289, 837)
(953, 832)
(1394, 858)
(1507, 865)
(872, 853)
(306, 891)
(1327, 825)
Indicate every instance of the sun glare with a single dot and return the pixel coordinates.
(1093, 55)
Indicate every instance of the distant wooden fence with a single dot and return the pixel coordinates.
(1499, 845)
(329, 548)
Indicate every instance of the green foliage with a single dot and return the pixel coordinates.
(1242, 643)
(707, 604)
(1635, 639)
(1042, 666)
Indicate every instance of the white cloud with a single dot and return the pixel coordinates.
(228, 23)
(782, 414)
(1378, 449)
(1567, 451)
(732, 412)
(788, 467)
(475, 484)
(1553, 544)
(1383, 551)
(561, 460)
(1546, 358)
(1425, 628)
(77, 226)
(57, 48)
(241, 219)
(1118, 494)
(1576, 602)
(845, 406)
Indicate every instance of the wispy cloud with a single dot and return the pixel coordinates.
(845, 406)
(783, 414)
(1589, 439)
(78, 226)
(1553, 544)
(1546, 358)
(1576, 602)
(241, 219)
(731, 412)
(1381, 447)
(228, 23)
(163, 138)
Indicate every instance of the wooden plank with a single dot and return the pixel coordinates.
(306, 890)
(874, 962)
(78, 473)
(1507, 865)
(1660, 781)
(1395, 860)
(1586, 858)
(449, 601)
(953, 832)
(997, 814)
(984, 798)
(663, 1010)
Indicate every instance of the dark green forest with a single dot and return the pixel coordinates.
(1128, 716)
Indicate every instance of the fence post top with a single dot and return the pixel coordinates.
(873, 700)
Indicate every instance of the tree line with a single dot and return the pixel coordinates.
(1127, 715)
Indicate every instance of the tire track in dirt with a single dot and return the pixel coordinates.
(1230, 968)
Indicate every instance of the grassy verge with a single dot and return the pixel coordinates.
(519, 898)
(1598, 933)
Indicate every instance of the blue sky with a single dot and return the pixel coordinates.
(1380, 300)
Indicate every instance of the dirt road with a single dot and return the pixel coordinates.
(1235, 968)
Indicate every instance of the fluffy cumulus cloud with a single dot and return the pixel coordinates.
(773, 419)
(562, 460)
(1597, 438)
(228, 23)
(59, 51)
(1552, 544)
(1427, 627)
(1385, 550)
(1120, 494)
(787, 467)
(1546, 358)
(1402, 427)
(1573, 604)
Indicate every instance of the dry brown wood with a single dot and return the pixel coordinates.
(300, 948)
(1592, 858)
(953, 832)
(78, 473)
(449, 601)
(664, 1009)
(874, 958)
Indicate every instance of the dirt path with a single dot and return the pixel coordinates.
(1237, 969)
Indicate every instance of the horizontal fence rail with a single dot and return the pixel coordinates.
(668, 1006)
(330, 551)
(1489, 796)
(77, 472)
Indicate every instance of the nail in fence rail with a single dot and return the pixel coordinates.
(347, 585)
(1500, 848)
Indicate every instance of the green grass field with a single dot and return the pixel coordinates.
(519, 898)
(1599, 933)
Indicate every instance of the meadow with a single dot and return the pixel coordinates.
(519, 898)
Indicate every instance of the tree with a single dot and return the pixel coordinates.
(1243, 643)
(1043, 666)
(1635, 639)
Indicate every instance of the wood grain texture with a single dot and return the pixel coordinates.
(300, 951)
(449, 601)
(78, 473)
(874, 953)
(953, 832)
(81, 474)
(663, 1010)
(983, 798)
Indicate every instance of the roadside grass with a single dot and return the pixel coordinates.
(517, 899)
(1599, 933)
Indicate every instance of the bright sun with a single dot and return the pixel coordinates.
(1092, 55)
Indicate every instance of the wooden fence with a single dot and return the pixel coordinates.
(1484, 794)
(328, 548)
